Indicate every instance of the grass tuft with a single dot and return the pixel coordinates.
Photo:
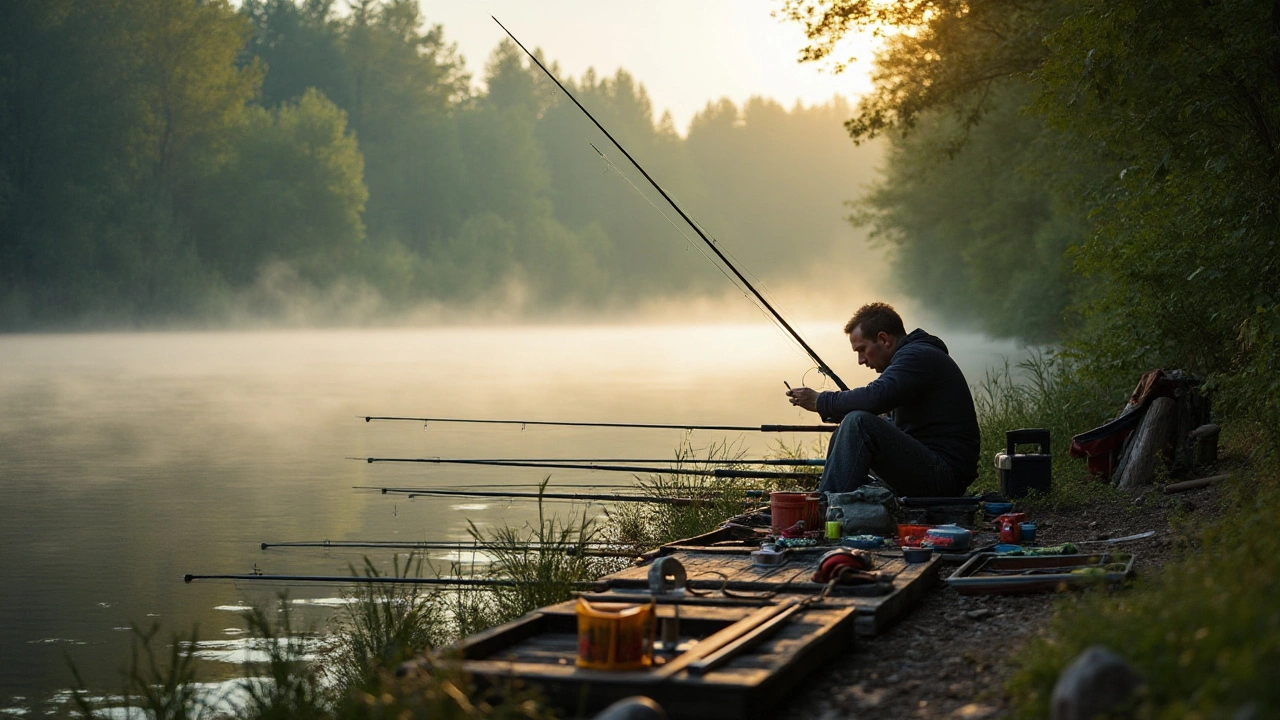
(1044, 392)
(380, 627)
(715, 499)
(545, 560)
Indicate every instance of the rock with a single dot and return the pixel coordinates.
(979, 614)
(974, 711)
(1096, 682)
(637, 707)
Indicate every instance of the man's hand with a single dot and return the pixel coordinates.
(804, 397)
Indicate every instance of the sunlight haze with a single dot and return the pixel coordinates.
(685, 53)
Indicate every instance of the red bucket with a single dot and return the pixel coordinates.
(787, 508)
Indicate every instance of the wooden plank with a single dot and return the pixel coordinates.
(724, 637)
(494, 639)
(917, 578)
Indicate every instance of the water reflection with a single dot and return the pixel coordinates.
(131, 459)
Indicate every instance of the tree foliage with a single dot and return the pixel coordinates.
(160, 159)
(1152, 125)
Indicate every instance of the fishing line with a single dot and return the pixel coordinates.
(713, 246)
(773, 322)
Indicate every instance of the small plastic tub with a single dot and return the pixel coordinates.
(917, 554)
(1028, 532)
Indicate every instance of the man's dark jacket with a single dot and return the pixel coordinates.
(929, 398)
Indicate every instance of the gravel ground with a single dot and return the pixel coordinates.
(949, 657)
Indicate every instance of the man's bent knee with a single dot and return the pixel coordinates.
(858, 418)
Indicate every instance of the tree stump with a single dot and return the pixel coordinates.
(1205, 438)
(1148, 444)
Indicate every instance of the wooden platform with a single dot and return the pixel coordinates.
(541, 648)
(715, 569)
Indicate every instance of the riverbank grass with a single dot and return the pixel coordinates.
(1204, 630)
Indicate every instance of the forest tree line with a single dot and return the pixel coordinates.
(1101, 173)
(163, 160)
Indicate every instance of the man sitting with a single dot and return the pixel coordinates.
(930, 449)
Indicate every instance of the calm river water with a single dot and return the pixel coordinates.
(127, 460)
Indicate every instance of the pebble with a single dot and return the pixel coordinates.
(979, 614)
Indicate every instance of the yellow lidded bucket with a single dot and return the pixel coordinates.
(614, 636)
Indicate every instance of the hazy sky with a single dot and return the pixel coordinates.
(686, 52)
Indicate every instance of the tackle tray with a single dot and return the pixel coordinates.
(989, 573)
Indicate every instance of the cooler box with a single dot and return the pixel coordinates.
(1020, 473)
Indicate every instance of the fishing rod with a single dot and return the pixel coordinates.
(715, 472)
(380, 580)
(822, 366)
(799, 462)
(606, 497)
(645, 426)
(585, 549)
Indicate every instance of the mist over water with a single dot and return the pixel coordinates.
(131, 459)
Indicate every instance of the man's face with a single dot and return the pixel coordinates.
(874, 352)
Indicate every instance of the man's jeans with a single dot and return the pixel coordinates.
(869, 443)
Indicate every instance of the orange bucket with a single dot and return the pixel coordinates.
(912, 535)
(614, 636)
(786, 508)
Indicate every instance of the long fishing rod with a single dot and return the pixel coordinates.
(585, 549)
(797, 462)
(604, 497)
(714, 472)
(348, 579)
(645, 426)
(822, 366)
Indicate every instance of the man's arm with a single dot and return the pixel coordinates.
(906, 377)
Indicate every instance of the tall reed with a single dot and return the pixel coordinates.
(545, 560)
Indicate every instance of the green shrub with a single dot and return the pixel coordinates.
(1204, 629)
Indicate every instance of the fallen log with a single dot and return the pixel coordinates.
(1193, 484)
(1148, 444)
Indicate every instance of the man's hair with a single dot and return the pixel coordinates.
(875, 318)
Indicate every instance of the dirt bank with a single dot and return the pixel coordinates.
(951, 656)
